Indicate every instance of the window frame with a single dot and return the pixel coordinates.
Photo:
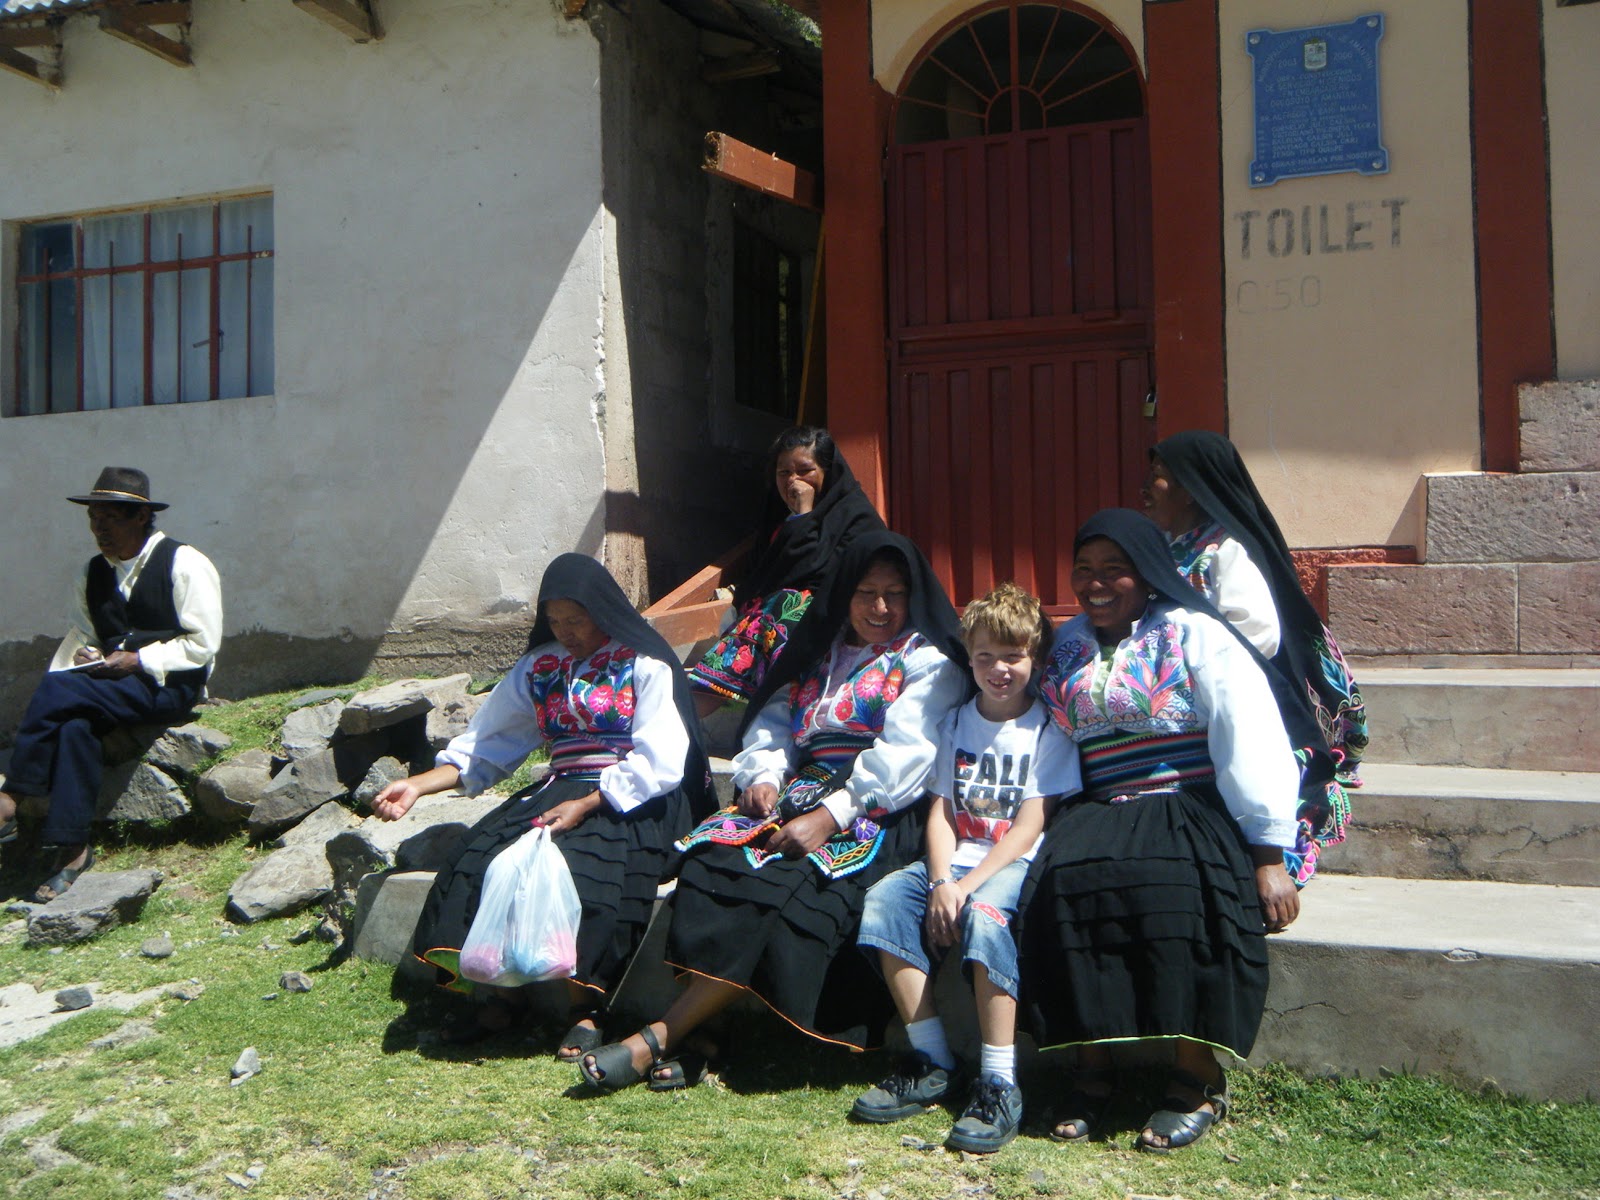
(78, 275)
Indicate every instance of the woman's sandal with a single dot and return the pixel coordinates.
(63, 879)
(1182, 1128)
(610, 1068)
(8, 831)
(581, 1038)
(1083, 1110)
(681, 1071)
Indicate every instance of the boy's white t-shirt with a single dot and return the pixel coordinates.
(986, 769)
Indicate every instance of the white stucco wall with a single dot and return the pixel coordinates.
(1352, 355)
(432, 441)
(1572, 98)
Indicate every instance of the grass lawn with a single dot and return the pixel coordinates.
(352, 1102)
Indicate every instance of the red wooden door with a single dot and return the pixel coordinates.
(1020, 340)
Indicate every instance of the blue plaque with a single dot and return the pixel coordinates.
(1316, 97)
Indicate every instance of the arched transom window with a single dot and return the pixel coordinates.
(1013, 66)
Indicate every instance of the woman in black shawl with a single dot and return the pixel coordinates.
(1227, 543)
(837, 748)
(1145, 909)
(810, 516)
(604, 692)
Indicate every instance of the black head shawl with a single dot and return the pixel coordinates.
(1150, 553)
(579, 578)
(802, 552)
(1208, 467)
(930, 614)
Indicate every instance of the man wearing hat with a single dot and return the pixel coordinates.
(146, 624)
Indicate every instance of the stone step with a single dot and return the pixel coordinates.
(1497, 608)
(1486, 517)
(1429, 822)
(1477, 981)
(1560, 425)
(1518, 719)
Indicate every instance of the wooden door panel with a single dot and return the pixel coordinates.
(996, 463)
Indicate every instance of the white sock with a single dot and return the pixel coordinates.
(928, 1036)
(999, 1062)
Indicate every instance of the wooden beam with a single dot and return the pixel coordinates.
(41, 71)
(171, 12)
(729, 158)
(743, 66)
(30, 35)
(356, 19)
(125, 25)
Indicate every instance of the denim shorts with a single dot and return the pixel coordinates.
(892, 920)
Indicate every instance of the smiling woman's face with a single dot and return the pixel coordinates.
(1109, 587)
(879, 606)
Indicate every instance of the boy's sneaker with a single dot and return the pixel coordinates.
(917, 1083)
(991, 1120)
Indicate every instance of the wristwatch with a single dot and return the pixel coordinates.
(934, 884)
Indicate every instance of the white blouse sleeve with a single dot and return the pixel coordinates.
(1242, 596)
(501, 734)
(893, 771)
(764, 756)
(197, 596)
(660, 741)
(1257, 772)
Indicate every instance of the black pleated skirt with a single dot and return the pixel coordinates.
(787, 932)
(617, 862)
(1141, 920)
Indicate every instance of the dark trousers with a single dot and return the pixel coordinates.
(57, 752)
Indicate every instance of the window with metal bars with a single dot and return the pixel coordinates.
(768, 323)
(126, 309)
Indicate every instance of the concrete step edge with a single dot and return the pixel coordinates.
(1529, 921)
(1409, 780)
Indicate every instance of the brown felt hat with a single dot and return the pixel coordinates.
(121, 485)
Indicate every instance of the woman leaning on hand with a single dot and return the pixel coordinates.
(1146, 908)
(604, 692)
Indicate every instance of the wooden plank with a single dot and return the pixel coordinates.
(742, 66)
(176, 12)
(729, 158)
(41, 72)
(691, 624)
(356, 19)
(702, 585)
(120, 25)
(31, 35)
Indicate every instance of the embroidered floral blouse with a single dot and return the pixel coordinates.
(899, 690)
(1182, 672)
(1217, 566)
(611, 701)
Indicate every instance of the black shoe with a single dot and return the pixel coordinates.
(917, 1083)
(992, 1118)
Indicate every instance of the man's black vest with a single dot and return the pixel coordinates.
(143, 618)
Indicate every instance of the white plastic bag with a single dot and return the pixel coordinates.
(526, 928)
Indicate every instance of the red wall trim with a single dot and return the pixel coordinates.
(1184, 84)
(853, 120)
(1511, 195)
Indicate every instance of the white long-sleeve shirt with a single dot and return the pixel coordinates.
(505, 730)
(196, 594)
(889, 774)
(1256, 770)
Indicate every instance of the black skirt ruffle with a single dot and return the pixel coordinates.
(1141, 920)
(779, 932)
(617, 860)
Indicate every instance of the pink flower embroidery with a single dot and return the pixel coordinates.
(545, 663)
(624, 702)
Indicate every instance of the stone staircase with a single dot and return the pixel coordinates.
(1457, 930)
